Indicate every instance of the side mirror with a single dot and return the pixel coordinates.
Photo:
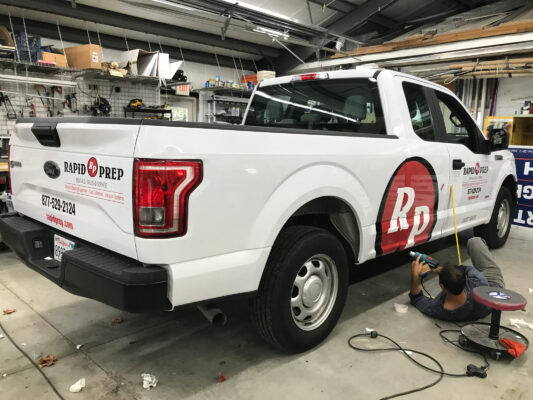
(498, 139)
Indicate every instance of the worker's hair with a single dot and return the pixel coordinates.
(453, 278)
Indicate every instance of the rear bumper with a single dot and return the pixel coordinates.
(87, 271)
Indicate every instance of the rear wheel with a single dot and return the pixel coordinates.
(497, 230)
(303, 289)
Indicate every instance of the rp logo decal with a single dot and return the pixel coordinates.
(408, 210)
(92, 167)
(477, 168)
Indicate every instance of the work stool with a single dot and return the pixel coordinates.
(487, 336)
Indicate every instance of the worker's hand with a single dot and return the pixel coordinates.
(418, 267)
(437, 270)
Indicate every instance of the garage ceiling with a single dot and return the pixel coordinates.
(279, 33)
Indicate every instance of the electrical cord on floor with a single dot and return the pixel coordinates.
(441, 334)
(472, 370)
(32, 362)
(424, 288)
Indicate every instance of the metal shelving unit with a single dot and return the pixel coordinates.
(224, 104)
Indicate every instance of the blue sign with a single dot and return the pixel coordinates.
(499, 295)
(524, 172)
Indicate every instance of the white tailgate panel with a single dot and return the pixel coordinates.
(102, 197)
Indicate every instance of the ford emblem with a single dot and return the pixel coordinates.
(52, 169)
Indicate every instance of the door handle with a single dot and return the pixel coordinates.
(458, 164)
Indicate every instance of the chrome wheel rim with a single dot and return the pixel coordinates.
(314, 292)
(502, 221)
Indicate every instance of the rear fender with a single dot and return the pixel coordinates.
(303, 186)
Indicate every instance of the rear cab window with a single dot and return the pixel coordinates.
(342, 105)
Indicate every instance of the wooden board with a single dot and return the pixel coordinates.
(430, 40)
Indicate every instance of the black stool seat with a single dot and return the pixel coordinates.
(485, 335)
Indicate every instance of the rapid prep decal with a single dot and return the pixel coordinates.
(408, 210)
(475, 181)
(93, 179)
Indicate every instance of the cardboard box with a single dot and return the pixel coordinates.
(59, 59)
(249, 78)
(263, 75)
(87, 56)
(5, 36)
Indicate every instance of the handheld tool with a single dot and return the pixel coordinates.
(431, 262)
(10, 110)
(72, 102)
(45, 106)
(135, 103)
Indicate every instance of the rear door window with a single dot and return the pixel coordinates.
(419, 111)
(344, 105)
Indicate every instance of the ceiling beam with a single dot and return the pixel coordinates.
(337, 5)
(386, 22)
(356, 17)
(344, 7)
(118, 43)
(124, 21)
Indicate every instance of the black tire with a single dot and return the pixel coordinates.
(273, 314)
(495, 238)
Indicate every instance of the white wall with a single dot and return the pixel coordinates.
(513, 88)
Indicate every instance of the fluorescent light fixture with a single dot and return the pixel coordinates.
(170, 3)
(260, 9)
(271, 32)
(40, 81)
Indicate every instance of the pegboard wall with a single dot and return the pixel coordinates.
(22, 95)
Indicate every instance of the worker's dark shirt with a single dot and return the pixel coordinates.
(470, 310)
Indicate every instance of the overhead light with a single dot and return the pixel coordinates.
(261, 10)
(172, 4)
(40, 81)
(271, 32)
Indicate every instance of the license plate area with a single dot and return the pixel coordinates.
(61, 245)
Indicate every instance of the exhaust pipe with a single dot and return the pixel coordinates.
(214, 315)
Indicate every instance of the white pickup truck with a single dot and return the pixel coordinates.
(327, 171)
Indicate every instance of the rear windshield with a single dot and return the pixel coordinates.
(345, 105)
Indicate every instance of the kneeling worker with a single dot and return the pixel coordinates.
(455, 303)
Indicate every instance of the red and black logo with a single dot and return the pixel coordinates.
(92, 167)
(94, 170)
(476, 170)
(408, 210)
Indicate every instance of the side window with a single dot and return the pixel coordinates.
(459, 127)
(419, 111)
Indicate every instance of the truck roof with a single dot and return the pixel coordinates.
(358, 72)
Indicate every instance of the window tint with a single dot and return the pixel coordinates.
(419, 111)
(458, 125)
(346, 105)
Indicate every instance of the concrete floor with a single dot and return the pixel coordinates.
(186, 354)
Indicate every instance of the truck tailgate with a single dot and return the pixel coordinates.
(76, 176)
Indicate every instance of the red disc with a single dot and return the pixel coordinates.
(408, 209)
(92, 167)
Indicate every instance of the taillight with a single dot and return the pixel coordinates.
(9, 168)
(162, 190)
